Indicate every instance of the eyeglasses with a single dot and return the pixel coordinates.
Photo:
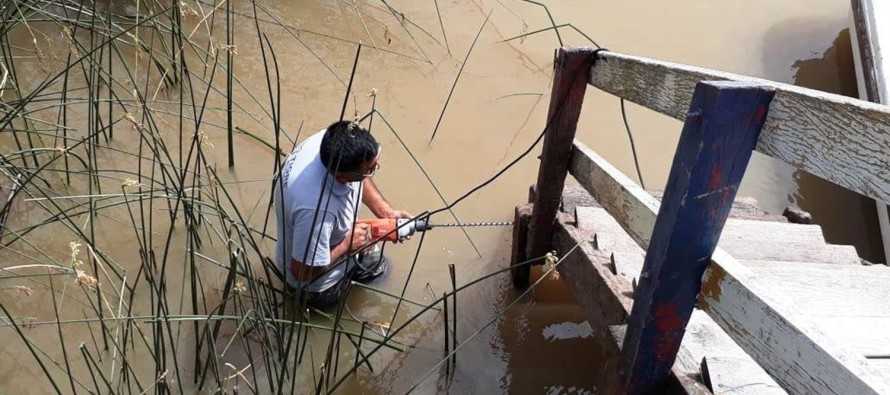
(372, 172)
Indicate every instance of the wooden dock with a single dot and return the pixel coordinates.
(693, 289)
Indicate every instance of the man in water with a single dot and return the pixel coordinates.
(316, 200)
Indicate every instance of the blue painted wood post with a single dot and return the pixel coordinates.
(715, 146)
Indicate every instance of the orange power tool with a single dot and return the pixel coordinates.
(393, 229)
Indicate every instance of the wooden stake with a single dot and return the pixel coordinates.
(572, 67)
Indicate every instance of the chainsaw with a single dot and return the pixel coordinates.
(398, 229)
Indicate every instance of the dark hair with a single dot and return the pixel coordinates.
(346, 145)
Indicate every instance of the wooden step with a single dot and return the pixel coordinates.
(880, 364)
(729, 369)
(744, 239)
(848, 302)
(777, 241)
(704, 339)
(613, 239)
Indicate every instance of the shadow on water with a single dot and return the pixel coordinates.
(846, 217)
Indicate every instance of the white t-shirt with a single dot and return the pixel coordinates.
(314, 213)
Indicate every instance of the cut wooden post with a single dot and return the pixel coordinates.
(717, 141)
(520, 274)
(571, 71)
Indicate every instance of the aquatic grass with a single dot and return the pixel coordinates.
(201, 265)
(442, 25)
(457, 78)
(555, 28)
(402, 19)
(446, 295)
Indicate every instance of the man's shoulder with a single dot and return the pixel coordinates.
(302, 159)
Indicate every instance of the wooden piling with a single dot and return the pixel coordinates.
(571, 70)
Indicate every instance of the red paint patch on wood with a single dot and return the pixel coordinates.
(716, 177)
(760, 114)
(668, 321)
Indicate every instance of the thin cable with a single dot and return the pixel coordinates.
(633, 147)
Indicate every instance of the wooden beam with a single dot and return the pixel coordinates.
(799, 356)
(730, 376)
(569, 84)
(715, 146)
(605, 296)
(843, 140)
(772, 330)
(626, 201)
(848, 303)
(866, 37)
(869, 38)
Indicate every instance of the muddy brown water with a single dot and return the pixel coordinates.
(541, 344)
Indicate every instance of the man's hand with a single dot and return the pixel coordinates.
(360, 235)
(398, 214)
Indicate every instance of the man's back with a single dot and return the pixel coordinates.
(314, 212)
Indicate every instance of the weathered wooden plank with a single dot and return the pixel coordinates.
(744, 207)
(880, 364)
(703, 337)
(777, 241)
(744, 239)
(842, 140)
(684, 377)
(870, 39)
(626, 201)
(704, 340)
(612, 239)
(715, 146)
(847, 302)
(770, 328)
(729, 376)
(804, 361)
(607, 297)
(566, 99)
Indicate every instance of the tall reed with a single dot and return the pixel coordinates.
(114, 140)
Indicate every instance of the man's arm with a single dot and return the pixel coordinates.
(372, 198)
(354, 239)
(312, 252)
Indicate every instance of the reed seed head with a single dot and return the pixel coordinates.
(85, 280)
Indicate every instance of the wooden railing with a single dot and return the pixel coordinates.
(842, 140)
